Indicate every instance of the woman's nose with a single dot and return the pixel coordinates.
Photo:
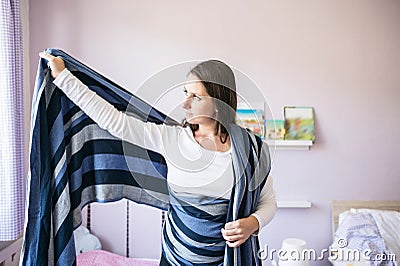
(187, 103)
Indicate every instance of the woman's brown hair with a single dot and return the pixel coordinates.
(219, 81)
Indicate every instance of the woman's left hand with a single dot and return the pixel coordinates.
(236, 233)
(56, 63)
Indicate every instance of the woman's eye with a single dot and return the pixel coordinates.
(197, 98)
(185, 91)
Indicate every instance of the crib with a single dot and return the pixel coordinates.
(90, 251)
(9, 254)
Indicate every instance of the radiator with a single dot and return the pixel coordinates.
(9, 256)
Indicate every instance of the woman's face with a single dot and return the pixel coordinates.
(198, 104)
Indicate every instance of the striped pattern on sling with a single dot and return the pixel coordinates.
(74, 162)
(192, 231)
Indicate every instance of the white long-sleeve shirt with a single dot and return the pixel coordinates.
(192, 169)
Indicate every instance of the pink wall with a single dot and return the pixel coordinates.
(342, 57)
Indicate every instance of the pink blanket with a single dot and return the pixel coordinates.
(102, 257)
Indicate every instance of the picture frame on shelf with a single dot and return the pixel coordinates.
(299, 123)
(274, 129)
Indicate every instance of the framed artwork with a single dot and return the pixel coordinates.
(252, 119)
(275, 129)
(299, 123)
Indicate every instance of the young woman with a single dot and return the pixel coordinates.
(199, 159)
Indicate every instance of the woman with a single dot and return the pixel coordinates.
(199, 160)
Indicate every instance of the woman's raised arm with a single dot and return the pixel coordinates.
(128, 128)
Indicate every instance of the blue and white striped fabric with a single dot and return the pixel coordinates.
(73, 162)
(12, 132)
(192, 231)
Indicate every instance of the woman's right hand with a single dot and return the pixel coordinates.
(56, 63)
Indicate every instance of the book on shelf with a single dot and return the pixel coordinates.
(252, 119)
(274, 129)
(299, 123)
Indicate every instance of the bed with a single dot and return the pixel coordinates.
(365, 233)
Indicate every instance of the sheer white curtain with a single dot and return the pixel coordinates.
(12, 164)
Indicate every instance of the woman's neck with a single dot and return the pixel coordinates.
(206, 137)
(207, 130)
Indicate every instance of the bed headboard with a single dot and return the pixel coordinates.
(339, 206)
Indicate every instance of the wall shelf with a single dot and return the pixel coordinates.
(290, 144)
(294, 204)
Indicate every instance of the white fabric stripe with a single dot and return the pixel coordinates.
(60, 164)
(61, 208)
(87, 133)
(76, 116)
(167, 251)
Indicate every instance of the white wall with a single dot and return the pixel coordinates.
(342, 57)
